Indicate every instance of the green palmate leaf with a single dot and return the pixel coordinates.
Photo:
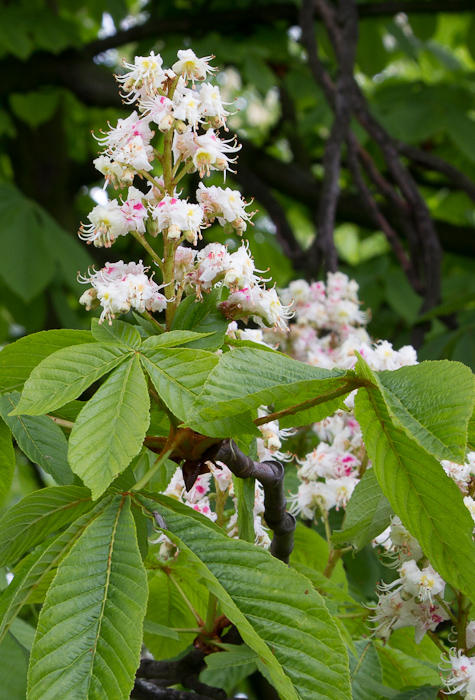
(65, 374)
(110, 430)
(429, 504)
(40, 439)
(247, 378)
(202, 317)
(18, 359)
(368, 513)
(7, 460)
(118, 333)
(178, 375)
(87, 645)
(167, 607)
(37, 568)
(244, 491)
(276, 610)
(40, 513)
(172, 339)
(432, 402)
(14, 658)
(471, 432)
(363, 667)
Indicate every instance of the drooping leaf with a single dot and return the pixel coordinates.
(65, 374)
(178, 375)
(429, 503)
(93, 613)
(432, 402)
(118, 333)
(247, 378)
(36, 569)
(40, 439)
(18, 359)
(237, 656)
(36, 516)
(154, 628)
(202, 317)
(110, 430)
(367, 514)
(7, 460)
(276, 610)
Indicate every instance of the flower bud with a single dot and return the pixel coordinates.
(89, 299)
(220, 164)
(174, 232)
(152, 228)
(180, 126)
(166, 123)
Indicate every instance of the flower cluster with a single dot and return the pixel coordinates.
(119, 287)
(409, 601)
(190, 116)
(461, 668)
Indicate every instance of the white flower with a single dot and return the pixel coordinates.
(157, 109)
(312, 496)
(126, 131)
(187, 105)
(470, 504)
(211, 103)
(135, 153)
(184, 261)
(191, 67)
(226, 205)
(342, 489)
(461, 678)
(144, 77)
(134, 211)
(116, 174)
(107, 224)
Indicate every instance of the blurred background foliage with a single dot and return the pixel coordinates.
(415, 63)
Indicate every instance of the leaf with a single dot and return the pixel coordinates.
(202, 317)
(110, 430)
(166, 607)
(244, 491)
(36, 569)
(247, 378)
(178, 375)
(365, 666)
(89, 634)
(40, 439)
(154, 628)
(432, 402)
(7, 460)
(426, 692)
(312, 550)
(14, 658)
(401, 670)
(276, 610)
(18, 359)
(237, 657)
(36, 107)
(172, 339)
(32, 519)
(471, 432)
(118, 333)
(65, 374)
(368, 513)
(428, 502)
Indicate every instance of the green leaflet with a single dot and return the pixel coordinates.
(40, 439)
(92, 616)
(247, 378)
(178, 375)
(7, 460)
(166, 607)
(429, 503)
(368, 513)
(276, 610)
(110, 430)
(38, 566)
(363, 668)
(471, 432)
(118, 333)
(18, 359)
(65, 374)
(172, 339)
(36, 516)
(202, 317)
(312, 550)
(426, 692)
(161, 630)
(14, 658)
(432, 402)
(245, 490)
(401, 670)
